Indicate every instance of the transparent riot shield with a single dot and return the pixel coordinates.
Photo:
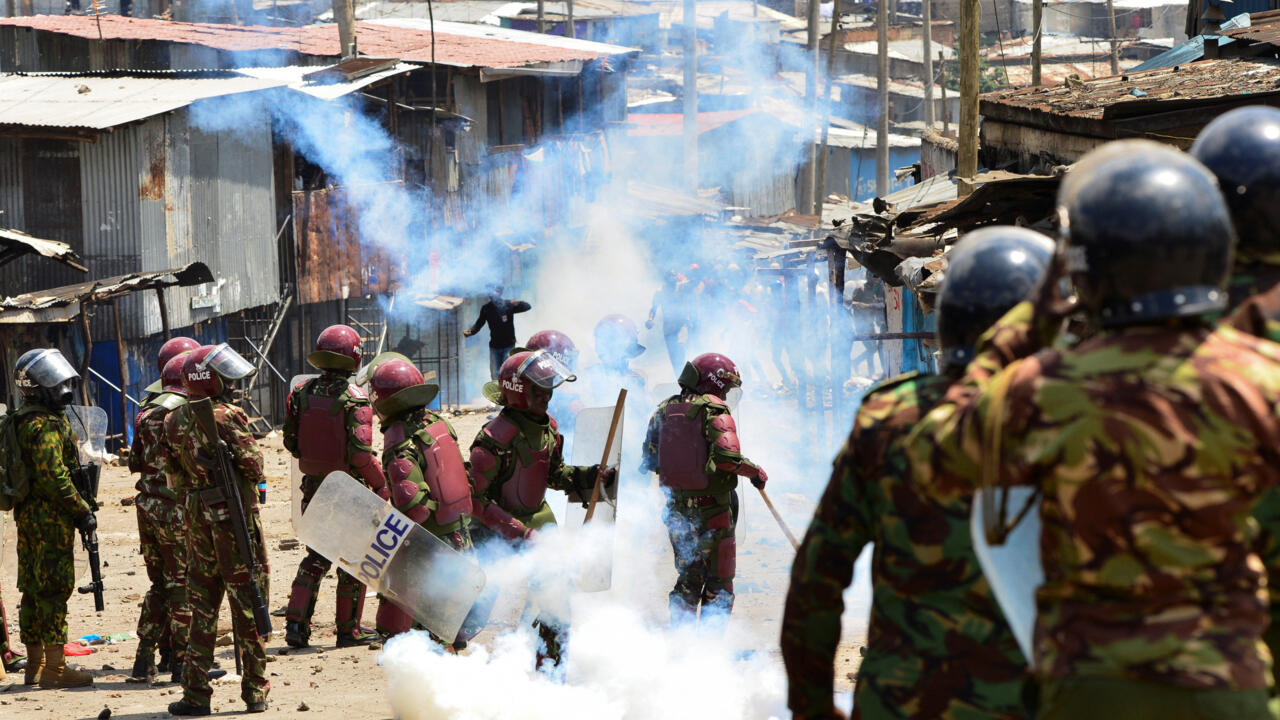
(1013, 568)
(295, 472)
(591, 432)
(361, 533)
(89, 431)
(8, 547)
(733, 398)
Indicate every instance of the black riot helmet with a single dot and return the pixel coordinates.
(988, 272)
(1147, 236)
(43, 375)
(1242, 148)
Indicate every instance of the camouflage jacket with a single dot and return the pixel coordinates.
(937, 639)
(186, 442)
(49, 448)
(146, 454)
(724, 464)
(1149, 446)
(411, 493)
(357, 416)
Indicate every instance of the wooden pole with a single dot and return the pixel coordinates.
(882, 97)
(690, 96)
(807, 185)
(926, 8)
(942, 85)
(542, 17)
(122, 364)
(967, 156)
(820, 173)
(781, 523)
(1037, 15)
(572, 29)
(88, 353)
(164, 314)
(1115, 55)
(604, 459)
(346, 19)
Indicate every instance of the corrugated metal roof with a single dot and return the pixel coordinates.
(456, 44)
(658, 124)
(104, 102)
(27, 307)
(295, 78)
(14, 244)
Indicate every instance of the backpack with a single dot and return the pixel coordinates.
(15, 475)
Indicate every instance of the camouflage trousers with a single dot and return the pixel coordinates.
(306, 584)
(702, 529)
(214, 568)
(165, 614)
(907, 685)
(46, 572)
(1080, 697)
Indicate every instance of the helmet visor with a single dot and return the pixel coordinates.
(544, 370)
(228, 363)
(49, 369)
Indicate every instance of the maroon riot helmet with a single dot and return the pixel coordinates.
(556, 343)
(171, 376)
(710, 373)
(397, 386)
(337, 348)
(522, 373)
(617, 339)
(207, 371)
(173, 348)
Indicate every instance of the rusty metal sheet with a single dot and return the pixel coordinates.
(57, 304)
(332, 262)
(14, 244)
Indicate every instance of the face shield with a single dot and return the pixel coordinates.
(227, 363)
(543, 369)
(44, 368)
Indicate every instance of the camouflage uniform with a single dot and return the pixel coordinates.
(165, 614)
(214, 565)
(358, 419)
(404, 459)
(702, 523)
(1149, 445)
(7, 654)
(938, 645)
(46, 524)
(513, 440)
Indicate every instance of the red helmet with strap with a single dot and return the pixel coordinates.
(171, 376)
(337, 348)
(710, 373)
(556, 343)
(397, 386)
(523, 370)
(206, 371)
(172, 348)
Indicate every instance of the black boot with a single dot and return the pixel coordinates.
(166, 657)
(182, 707)
(256, 707)
(144, 668)
(296, 635)
(176, 675)
(361, 636)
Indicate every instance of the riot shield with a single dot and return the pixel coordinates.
(1013, 568)
(9, 547)
(89, 425)
(295, 472)
(377, 544)
(591, 432)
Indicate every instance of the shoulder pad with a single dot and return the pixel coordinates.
(895, 381)
(501, 430)
(357, 393)
(170, 401)
(714, 401)
(301, 384)
(554, 425)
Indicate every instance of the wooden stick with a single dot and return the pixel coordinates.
(604, 460)
(785, 530)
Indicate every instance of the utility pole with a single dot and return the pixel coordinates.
(542, 16)
(807, 182)
(343, 13)
(1115, 55)
(690, 96)
(820, 173)
(1037, 15)
(942, 85)
(572, 30)
(926, 8)
(967, 154)
(882, 97)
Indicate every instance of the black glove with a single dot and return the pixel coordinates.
(760, 479)
(87, 523)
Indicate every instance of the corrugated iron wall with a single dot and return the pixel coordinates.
(10, 184)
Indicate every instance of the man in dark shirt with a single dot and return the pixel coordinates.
(498, 313)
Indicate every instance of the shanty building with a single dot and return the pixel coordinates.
(275, 227)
